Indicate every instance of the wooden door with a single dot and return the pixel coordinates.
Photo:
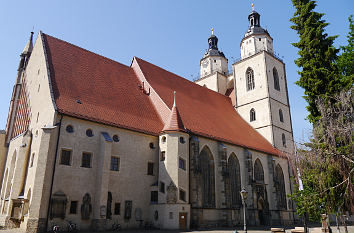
(183, 221)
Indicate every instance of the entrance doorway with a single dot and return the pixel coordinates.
(183, 221)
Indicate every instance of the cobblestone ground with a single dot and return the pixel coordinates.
(312, 230)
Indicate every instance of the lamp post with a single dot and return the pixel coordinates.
(244, 197)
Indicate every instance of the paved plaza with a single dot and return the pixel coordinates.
(312, 230)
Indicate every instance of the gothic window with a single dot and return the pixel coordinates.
(258, 172)
(58, 205)
(283, 139)
(208, 178)
(281, 118)
(235, 180)
(252, 115)
(276, 79)
(280, 188)
(249, 79)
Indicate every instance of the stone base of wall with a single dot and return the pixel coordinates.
(99, 224)
(35, 225)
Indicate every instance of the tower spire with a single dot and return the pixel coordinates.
(29, 46)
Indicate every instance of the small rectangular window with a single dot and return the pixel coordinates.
(150, 170)
(65, 157)
(154, 196)
(182, 164)
(73, 207)
(171, 215)
(114, 163)
(116, 208)
(162, 187)
(86, 159)
(163, 156)
(182, 195)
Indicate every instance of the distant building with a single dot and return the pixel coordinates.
(95, 142)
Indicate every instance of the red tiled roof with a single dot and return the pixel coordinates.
(204, 112)
(175, 122)
(108, 91)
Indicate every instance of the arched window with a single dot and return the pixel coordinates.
(283, 139)
(281, 118)
(280, 188)
(235, 180)
(208, 178)
(249, 79)
(276, 79)
(258, 172)
(252, 115)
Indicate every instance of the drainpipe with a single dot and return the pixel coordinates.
(52, 182)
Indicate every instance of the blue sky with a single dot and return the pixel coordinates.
(170, 34)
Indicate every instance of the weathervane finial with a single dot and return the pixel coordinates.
(212, 31)
(252, 6)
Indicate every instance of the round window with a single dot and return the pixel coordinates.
(181, 140)
(152, 146)
(89, 133)
(115, 138)
(163, 139)
(69, 129)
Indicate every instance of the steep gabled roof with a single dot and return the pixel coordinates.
(204, 112)
(92, 87)
(175, 122)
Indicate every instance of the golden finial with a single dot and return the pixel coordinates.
(212, 31)
(252, 6)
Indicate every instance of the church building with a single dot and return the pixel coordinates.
(95, 142)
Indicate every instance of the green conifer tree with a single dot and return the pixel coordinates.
(319, 74)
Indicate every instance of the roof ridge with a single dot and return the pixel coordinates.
(182, 77)
(86, 50)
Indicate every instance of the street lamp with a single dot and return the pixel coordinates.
(244, 197)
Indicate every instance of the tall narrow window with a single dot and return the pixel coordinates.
(73, 207)
(281, 118)
(276, 79)
(234, 180)
(283, 139)
(150, 169)
(116, 208)
(86, 159)
(114, 163)
(154, 196)
(252, 115)
(208, 178)
(249, 79)
(162, 187)
(65, 157)
(258, 171)
(280, 188)
(109, 206)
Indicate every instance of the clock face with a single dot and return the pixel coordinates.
(205, 63)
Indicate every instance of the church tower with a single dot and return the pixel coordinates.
(261, 87)
(214, 67)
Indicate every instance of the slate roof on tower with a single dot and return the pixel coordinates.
(92, 87)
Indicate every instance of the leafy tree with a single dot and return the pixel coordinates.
(346, 59)
(319, 75)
